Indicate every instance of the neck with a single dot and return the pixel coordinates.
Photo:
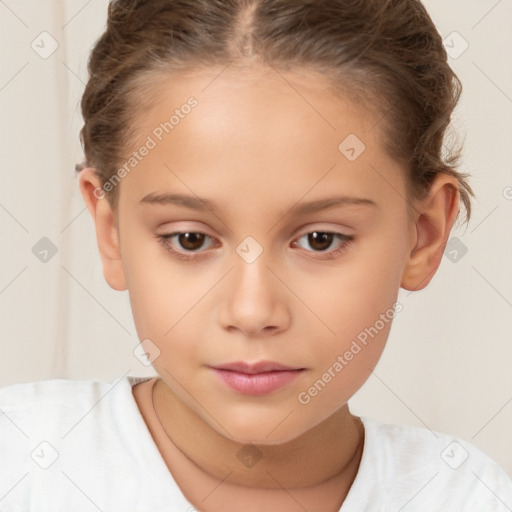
(329, 451)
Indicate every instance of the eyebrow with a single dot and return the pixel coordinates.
(200, 204)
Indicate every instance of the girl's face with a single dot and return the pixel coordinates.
(291, 269)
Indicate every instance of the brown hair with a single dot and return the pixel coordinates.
(385, 53)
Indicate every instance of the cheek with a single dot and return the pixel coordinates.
(364, 284)
(360, 313)
(161, 291)
(357, 302)
(164, 300)
(346, 297)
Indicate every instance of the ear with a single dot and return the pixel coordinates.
(431, 222)
(107, 234)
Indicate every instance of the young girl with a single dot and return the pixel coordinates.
(264, 175)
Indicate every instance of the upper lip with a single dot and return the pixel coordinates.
(252, 368)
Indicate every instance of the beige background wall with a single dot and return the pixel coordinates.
(449, 358)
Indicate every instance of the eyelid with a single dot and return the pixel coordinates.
(344, 239)
(182, 232)
(304, 229)
(323, 227)
(164, 240)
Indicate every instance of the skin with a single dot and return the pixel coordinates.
(255, 148)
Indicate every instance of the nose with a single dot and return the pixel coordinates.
(254, 300)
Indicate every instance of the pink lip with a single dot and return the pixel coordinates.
(258, 378)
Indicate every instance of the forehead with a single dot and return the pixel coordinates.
(234, 100)
(249, 131)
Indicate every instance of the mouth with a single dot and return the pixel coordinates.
(256, 379)
(254, 368)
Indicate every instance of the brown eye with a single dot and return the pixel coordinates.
(320, 241)
(187, 243)
(191, 241)
(324, 242)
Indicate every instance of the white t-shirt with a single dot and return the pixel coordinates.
(74, 446)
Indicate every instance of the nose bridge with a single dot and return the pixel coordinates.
(254, 300)
(252, 280)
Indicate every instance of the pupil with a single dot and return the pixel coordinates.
(320, 241)
(190, 240)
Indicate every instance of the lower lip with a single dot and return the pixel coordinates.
(259, 383)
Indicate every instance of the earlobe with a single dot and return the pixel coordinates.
(107, 234)
(434, 217)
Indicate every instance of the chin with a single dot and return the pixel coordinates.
(262, 439)
(256, 432)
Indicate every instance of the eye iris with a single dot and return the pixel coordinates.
(191, 241)
(320, 241)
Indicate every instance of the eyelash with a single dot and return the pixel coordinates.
(165, 241)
